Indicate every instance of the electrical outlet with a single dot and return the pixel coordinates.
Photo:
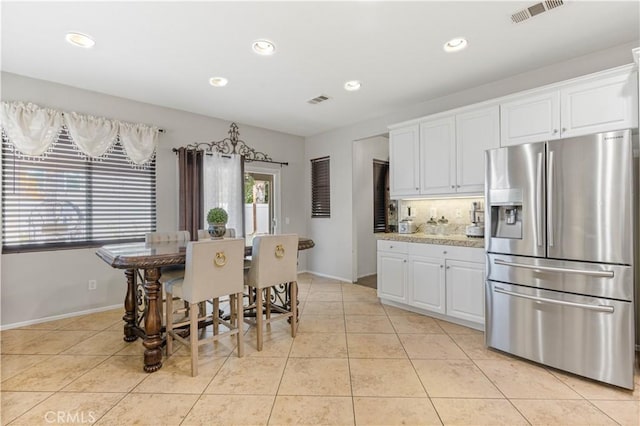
(458, 213)
(433, 212)
(93, 284)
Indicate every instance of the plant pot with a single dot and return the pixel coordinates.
(217, 230)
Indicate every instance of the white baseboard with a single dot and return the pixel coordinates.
(346, 280)
(58, 317)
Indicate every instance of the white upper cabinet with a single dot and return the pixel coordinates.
(450, 153)
(530, 119)
(598, 103)
(438, 156)
(476, 131)
(404, 160)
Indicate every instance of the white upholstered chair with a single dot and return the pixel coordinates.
(213, 269)
(169, 272)
(274, 261)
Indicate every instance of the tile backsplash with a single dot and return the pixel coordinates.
(422, 210)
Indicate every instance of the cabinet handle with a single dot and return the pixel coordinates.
(444, 252)
(453, 186)
(555, 131)
(458, 186)
(442, 266)
(390, 247)
(448, 267)
(417, 189)
(564, 129)
(404, 261)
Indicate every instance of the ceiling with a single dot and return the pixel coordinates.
(164, 53)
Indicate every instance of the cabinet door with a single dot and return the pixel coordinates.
(476, 131)
(426, 283)
(437, 156)
(532, 118)
(600, 105)
(465, 290)
(392, 276)
(404, 162)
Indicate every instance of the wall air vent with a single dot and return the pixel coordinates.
(318, 99)
(536, 9)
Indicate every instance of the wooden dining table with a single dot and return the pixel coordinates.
(143, 300)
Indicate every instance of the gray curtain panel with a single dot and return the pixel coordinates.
(190, 208)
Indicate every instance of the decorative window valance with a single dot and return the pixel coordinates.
(33, 130)
(232, 145)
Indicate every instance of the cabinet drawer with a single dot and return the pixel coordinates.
(392, 246)
(427, 250)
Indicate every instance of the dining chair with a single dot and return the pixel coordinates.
(274, 261)
(168, 273)
(213, 269)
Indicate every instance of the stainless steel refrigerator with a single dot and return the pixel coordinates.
(560, 233)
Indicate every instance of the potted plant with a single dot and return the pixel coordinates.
(217, 219)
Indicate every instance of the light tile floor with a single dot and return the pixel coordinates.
(354, 361)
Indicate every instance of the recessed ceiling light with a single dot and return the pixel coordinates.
(218, 81)
(263, 47)
(79, 40)
(352, 85)
(455, 44)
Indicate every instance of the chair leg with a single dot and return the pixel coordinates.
(239, 323)
(259, 317)
(169, 325)
(267, 303)
(193, 337)
(293, 298)
(216, 316)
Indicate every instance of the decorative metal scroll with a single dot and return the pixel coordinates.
(234, 145)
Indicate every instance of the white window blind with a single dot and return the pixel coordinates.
(65, 200)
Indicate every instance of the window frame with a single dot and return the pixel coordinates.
(321, 187)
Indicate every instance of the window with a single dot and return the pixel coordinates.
(320, 188)
(380, 197)
(65, 200)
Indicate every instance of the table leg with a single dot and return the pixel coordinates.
(130, 311)
(152, 321)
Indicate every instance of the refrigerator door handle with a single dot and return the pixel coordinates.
(539, 201)
(603, 274)
(550, 189)
(598, 308)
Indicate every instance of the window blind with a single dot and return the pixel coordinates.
(380, 173)
(320, 188)
(66, 200)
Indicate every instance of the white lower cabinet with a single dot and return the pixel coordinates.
(426, 283)
(465, 287)
(444, 280)
(392, 270)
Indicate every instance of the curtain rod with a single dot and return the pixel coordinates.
(248, 160)
(233, 145)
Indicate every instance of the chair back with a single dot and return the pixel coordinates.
(213, 268)
(166, 237)
(274, 260)
(203, 234)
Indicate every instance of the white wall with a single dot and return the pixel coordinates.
(332, 255)
(39, 285)
(364, 152)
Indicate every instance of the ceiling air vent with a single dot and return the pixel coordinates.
(536, 9)
(317, 99)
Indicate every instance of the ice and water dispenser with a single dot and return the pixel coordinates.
(506, 213)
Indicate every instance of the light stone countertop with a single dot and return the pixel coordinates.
(421, 237)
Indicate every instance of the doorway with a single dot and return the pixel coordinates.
(261, 203)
